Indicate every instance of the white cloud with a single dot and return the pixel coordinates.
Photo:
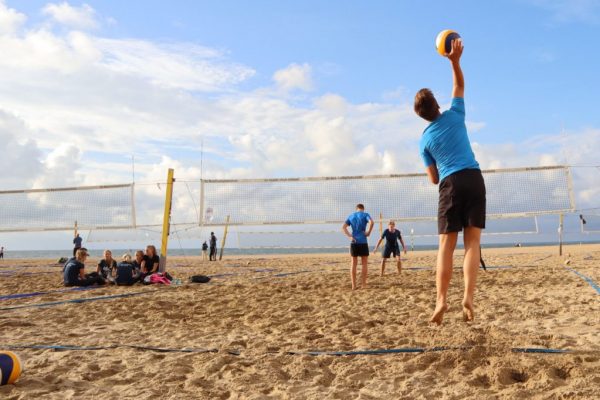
(10, 20)
(294, 76)
(83, 17)
(76, 105)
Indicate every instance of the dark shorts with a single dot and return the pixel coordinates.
(462, 201)
(388, 251)
(359, 249)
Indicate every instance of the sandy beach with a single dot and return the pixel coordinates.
(248, 332)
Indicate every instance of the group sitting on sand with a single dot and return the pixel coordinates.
(108, 271)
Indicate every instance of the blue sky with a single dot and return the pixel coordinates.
(272, 88)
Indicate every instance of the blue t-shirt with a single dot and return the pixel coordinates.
(71, 272)
(358, 221)
(77, 241)
(445, 142)
(391, 238)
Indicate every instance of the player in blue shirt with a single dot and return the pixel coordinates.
(359, 247)
(449, 161)
(391, 236)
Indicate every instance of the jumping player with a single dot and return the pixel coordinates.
(391, 236)
(359, 247)
(449, 161)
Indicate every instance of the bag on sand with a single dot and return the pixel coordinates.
(157, 278)
(200, 279)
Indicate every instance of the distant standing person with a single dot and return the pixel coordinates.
(204, 251)
(213, 247)
(2, 252)
(77, 243)
(391, 236)
(359, 247)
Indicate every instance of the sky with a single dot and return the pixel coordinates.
(266, 89)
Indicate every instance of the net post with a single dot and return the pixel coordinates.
(560, 234)
(166, 221)
(75, 229)
(224, 238)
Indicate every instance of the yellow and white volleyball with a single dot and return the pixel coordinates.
(443, 41)
(10, 367)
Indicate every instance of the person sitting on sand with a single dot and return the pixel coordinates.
(137, 263)
(125, 274)
(391, 236)
(107, 267)
(74, 271)
(359, 247)
(151, 261)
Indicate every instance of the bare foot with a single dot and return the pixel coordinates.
(438, 314)
(468, 313)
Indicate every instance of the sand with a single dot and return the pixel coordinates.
(259, 309)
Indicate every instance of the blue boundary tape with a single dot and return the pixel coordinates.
(587, 279)
(81, 300)
(32, 294)
(59, 347)
(408, 350)
(405, 350)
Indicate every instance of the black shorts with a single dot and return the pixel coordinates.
(462, 201)
(359, 249)
(388, 251)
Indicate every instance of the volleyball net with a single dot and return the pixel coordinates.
(286, 212)
(511, 193)
(590, 222)
(90, 207)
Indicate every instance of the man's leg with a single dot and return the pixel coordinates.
(383, 266)
(353, 263)
(443, 274)
(364, 271)
(472, 238)
(399, 261)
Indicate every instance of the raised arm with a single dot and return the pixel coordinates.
(458, 86)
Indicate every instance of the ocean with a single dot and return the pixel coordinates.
(117, 252)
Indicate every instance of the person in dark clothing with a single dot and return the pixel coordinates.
(76, 243)
(391, 236)
(125, 272)
(213, 247)
(74, 272)
(150, 262)
(204, 251)
(107, 267)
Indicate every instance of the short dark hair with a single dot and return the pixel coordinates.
(360, 206)
(426, 106)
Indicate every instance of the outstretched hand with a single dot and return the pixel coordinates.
(456, 51)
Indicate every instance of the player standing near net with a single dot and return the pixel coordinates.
(449, 160)
(359, 247)
(391, 236)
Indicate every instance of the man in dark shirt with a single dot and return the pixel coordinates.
(213, 247)
(391, 236)
(76, 243)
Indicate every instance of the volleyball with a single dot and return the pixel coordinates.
(443, 41)
(10, 367)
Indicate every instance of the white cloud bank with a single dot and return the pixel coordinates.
(75, 105)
